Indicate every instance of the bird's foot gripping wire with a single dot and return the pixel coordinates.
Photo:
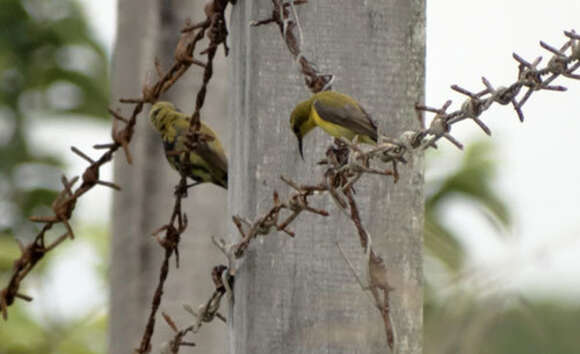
(182, 187)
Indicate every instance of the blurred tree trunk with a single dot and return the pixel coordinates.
(298, 295)
(149, 29)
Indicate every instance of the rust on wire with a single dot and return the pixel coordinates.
(564, 62)
(346, 162)
(121, 133)
(214, 28)
(284, 15)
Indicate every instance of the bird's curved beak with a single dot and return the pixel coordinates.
(300, 147)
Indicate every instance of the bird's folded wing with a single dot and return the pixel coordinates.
(213, 158)
(348, 116)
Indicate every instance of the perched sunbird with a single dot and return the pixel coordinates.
(337, 114)
(207, 163)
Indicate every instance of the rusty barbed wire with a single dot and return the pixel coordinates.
(214, 28)
(64, 204)
(344, 167)
(355, 159)
(205, 313)
(564, 62)
(62, 208)
(170, 243)
(343, 171)
(346, 162)
(281, 12)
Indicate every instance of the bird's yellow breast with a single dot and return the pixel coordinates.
(330, 128)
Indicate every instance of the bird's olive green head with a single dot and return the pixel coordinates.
(300, 122)
(158, 111)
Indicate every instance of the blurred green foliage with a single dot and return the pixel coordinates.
(472, 180)
(501, 324)
(24, 334)
(50, 66)
(504, 325)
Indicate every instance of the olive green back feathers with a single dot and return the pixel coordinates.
(342, 110)
(337, 114)
(207, 163)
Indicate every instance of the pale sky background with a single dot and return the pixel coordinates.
(538, 173)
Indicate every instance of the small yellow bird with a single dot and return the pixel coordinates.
(337, 114)
(207, 163)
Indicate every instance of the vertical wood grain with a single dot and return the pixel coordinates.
(149, 29)
(298, 295)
